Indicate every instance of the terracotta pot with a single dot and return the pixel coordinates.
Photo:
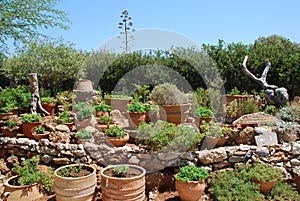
(265, 187)
(29, 127)
(85, 123)
(135, 118)
(190, 191)
(152, 116)
(84, 85)
(176, 114)
(118, 103)
(50, 108)
(127, 189)
(10, 133)
(102, 127)
(100, 113)
(198, 120)
(75, 188)
(20, 193)
(118, 142)
(38, 137)
(211, 142)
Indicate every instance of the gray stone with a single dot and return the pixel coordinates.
(237, 159)
(46, 158)
(220, 165)
(295, 162)
(269, 138)
(244, 147)
(187, 156)
(134, 160)
(286, 147)
(262, 151)
(295, 148)
(44, 142)
(212, 156)
(61, 161)
(62, 128)
(79, 153)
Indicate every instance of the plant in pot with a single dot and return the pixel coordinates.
(84, 115)
(203, 114)
(40, 133)
(11, 128)
(152, 112)
(117, 101)
(190, 182)
(30, 179)
(174, 104)
(116, 136)
(262, 174)
(123, 182)
(29, 123)
(102, 109)
(83, 136)
(49, 104)
(105, 122)
(65, 119)
(215, 134)
(75, 181)
(65, 99)
(136, 114)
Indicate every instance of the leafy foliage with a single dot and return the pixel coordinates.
(85, 110)
(136, 106)
(105, 120)
(71, 171)
(204, 112)
(47, 100)
(83, 134)
(40, 130)
(19, 97)
(64, 117)
(11, 123)
(290, 114)
(120, 171)
(31, 118)
(151, 107)
(213, 129)
(103, 107)
(115, 132)
(191, 173)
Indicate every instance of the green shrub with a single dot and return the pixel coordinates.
(85, 111)
(283, 191)
(19, 97)
(115, 132)
(65, 98)
(136, 106)
(103, 107)
(48, 100)
(71, 171)
(120, 171)
(204, 112)
(215, 130)
(11, 123)
(31, 118)
(191, 173)
(39, 130)
(151, 108)
(118, 96)
(290, 114)
(83, 134)
(64, 117)
(270, 109)
(105, 120)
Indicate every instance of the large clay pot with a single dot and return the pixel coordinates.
(190, 191)
(135, 118)
(50, 108)
(29, 127)
(102, 127)
(127, 189)
(84, 85)
(38, 137)
(20, 193)
(75, 188)
(176, 114)
(118, 142)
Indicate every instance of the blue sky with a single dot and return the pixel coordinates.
(202, 21)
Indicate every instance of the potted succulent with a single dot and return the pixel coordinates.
(123, 182)
(40, 133)
(83, 136)
(102, 109)
(174, 104)
(262, 174)
(28, 178)
(65, 119)
(105, 122)
(152, 112)
(215, 134)
(11, 128)
(84, 115)
(116, 136)
(190, 182)
(49, 104)
(75, 182)
(203, 114)
(29, 123)
(118, 102)
(136, 113)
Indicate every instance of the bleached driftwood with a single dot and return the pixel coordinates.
(275, 95)
(35, 101)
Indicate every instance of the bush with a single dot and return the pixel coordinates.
(19, 97)
(103, 107)
(31, 118)
(85, 111)
(115, 132)
(191, 173)
(203, 112)
(83, 134)
(136, 106)
(64, 117)
(105, 120)
(290, 114)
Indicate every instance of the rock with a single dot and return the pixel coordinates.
(62, 128)
(186, 156)
(61, 161)
(134, 160)
(220, 165)
(295, 148)
(237, 159)
(286, 147)
(262, 151)
(3, 167)
(268, 138)
(295, 162)
(46, 158)
(246, 136)
(212, 156)
(58, 136)
(12, 160)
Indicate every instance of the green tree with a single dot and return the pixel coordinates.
(55, 62)
(21, 19)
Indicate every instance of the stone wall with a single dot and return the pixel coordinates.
(286, 155)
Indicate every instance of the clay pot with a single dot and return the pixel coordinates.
(135, 118)
(176, 114)
(118, 142)
(190, 190)
(29, 127)
(10, 133)
(50, 108)
(265, 187)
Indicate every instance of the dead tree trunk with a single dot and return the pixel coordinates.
(35, 101)
(274, 95)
